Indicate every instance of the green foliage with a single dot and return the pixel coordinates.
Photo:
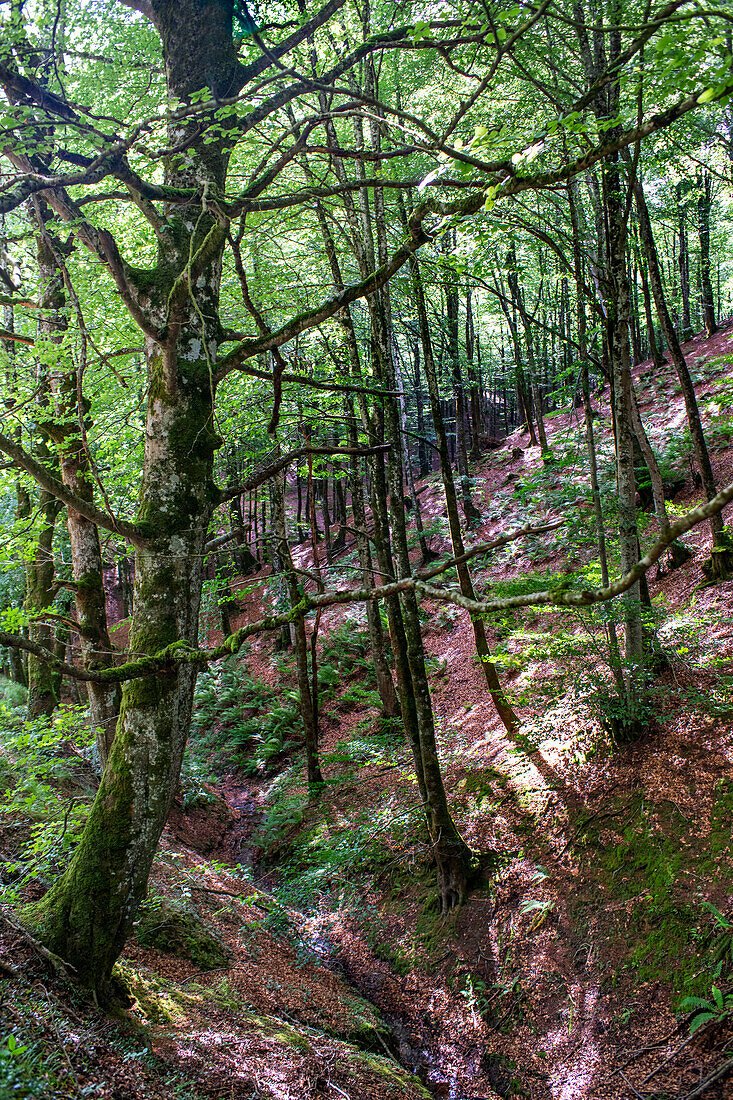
(322, 860)
(714, 1010)
(237, 721)
(327, 858)
(46, 785)
(24, 1071)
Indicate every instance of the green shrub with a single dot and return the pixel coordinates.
(46, 789)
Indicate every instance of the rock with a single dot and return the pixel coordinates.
(175, 928)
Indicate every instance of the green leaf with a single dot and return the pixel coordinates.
(420, 31)
(696, 1002)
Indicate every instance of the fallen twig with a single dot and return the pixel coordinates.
(639, 1095)
(716, 1075)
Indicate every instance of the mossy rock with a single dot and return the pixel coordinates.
(175, 928)
(367, 1030)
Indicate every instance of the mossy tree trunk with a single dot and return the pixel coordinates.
(88, 913)
(40, 568)
(74, 461)
(614, 654)
(40, 591)
(618, 306)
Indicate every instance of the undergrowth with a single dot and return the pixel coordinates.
(46, 790)
(240, 722)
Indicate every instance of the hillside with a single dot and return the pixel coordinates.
(291, 948)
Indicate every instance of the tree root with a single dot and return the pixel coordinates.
(58, 964)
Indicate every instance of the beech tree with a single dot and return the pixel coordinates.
(157, 182)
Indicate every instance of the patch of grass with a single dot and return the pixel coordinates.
(29, 1069)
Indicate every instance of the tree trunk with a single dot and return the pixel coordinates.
(518, 299)
(676, 354)
(655, 354)
(451, 853)
(40, 572)
(308, 693)
(683, 261)
(704, 204)
(385, 684)
(614, 654)
(473, 380)
(523, 398)
(503, 709)
(76, 473)
(618, 341)
(88, 912)
(470, 511)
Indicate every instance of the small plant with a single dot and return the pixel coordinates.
(717, 1009)
(24, 1072)
(477, 996)
(541, 910)
(722, 939)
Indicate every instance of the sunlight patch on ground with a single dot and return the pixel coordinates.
(573, 1077)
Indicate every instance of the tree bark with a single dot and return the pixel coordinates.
(704, 205)
(88, 912)
(76, 473)
(676, 354)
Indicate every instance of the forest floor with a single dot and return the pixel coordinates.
(293, 948)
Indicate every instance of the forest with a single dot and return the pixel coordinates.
(366, 621)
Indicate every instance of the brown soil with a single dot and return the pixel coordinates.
(530, 986)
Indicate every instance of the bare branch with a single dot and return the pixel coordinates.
(267, 472)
